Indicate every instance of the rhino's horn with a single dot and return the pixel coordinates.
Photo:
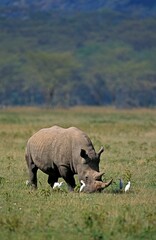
(96, 186)
(99, 185)
(100, 151)
(106, 184)
(98, 176)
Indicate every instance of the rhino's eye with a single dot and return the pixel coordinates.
(86, 178)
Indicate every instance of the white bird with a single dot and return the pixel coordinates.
(127, 186)
(57, 185)
(82, 186)
(27, 183)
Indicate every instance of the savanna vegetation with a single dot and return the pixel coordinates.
(101, 57)
(129, 140)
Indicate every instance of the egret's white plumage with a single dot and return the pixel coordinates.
(27, 183)
(57, 185)
(82, 186)
(127, 186)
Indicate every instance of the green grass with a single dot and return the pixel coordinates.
(129, 138)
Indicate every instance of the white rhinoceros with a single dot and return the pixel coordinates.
(61, 152)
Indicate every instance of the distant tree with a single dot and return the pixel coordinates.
(54, 71)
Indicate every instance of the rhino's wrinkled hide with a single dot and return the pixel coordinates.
(61, 152)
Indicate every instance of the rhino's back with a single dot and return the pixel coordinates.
(44, 138)
(57, 137)
(57, 145)
(79, 138)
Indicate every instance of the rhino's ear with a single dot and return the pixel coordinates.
(100, 151)
(83, 154)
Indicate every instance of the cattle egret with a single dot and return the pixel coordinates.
(82, 186)
(57, 185)
(27, 183)
(127, 186)
(120, 184)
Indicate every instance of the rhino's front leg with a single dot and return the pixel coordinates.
(68, 176)
(52, 179)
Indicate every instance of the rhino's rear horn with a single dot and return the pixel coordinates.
(100, 151)
(99, 176)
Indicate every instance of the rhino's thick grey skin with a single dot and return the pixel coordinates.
(61, 152)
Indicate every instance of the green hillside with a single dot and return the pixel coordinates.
(91, 58)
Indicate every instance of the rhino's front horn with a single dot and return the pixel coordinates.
(106, 184)
(100, 151)
(99, 185)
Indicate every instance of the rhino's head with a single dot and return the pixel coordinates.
(89, 171)
(95, 186)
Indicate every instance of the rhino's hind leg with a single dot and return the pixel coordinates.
(33, 176)
(32, 171)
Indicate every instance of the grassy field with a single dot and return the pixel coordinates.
(129, 138)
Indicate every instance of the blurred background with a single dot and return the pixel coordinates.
(78, 52)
